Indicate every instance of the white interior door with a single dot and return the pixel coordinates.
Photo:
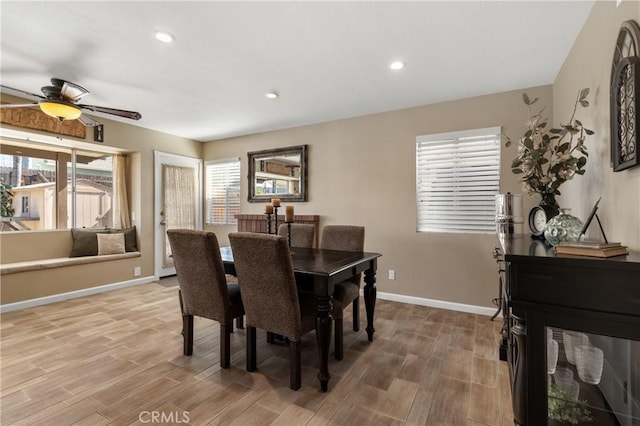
(178, 203)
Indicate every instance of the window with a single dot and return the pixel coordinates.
(223, 191)
(457, 178)
(25, 206)
(47, 195)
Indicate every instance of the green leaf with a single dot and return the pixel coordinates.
(516, 163)
(589, 132)
(555, 131)
(526, 99)
(584, 93)
(564, 147)
(584, 103)
(581, 162)
(543, 160)
(528, 133)
(578, 122)
(555, 169)
(580, 172)
(507, 143)
(516, 171)
(528, 143)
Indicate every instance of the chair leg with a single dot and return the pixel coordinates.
(295, 365)
(356, 314)
(225, 345)
(240, 322)
(251, 349)
(187, 330)
(338, 343)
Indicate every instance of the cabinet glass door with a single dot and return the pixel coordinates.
(592, 379)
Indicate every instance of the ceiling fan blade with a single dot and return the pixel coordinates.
(88, 121)
(24, 92)
(72, 92)
(119, 112)
(17, 105)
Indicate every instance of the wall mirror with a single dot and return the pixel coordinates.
(278, 173)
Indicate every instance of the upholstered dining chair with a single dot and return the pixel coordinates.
(268, 286)
(301, 234)
(204, 290)
(344, 238)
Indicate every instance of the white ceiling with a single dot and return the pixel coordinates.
(327, 60)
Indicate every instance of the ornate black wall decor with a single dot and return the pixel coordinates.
(625, 98)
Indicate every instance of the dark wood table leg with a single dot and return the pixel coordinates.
(323, 334)
(370, 296)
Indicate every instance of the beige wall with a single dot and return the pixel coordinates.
(589, 65)
(362, 172)
(141, 143)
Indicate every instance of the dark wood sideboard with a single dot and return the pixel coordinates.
(545, 292)
(258, 223)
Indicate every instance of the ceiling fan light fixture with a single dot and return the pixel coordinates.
(164, 36)
(397, 65)
(272, 95)
(60, 110)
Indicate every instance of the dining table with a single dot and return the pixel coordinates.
(318, 271)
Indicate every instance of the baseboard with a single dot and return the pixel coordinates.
(72, 294)
(452, 306)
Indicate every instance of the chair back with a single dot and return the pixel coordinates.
(200, 272)
(301, 234)
(344, 238)
(267, 283)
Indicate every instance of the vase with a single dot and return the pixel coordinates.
(549, 200)
(562, 228)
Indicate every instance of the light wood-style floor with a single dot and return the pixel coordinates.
(116, 358)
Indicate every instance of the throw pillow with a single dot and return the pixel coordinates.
(85, 242)
(130, 238)
(110, 243)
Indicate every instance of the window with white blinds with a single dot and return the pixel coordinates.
(223, 191)
(457, 178)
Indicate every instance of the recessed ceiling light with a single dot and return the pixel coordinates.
(398, 65)
(272, 95)
(164, 37)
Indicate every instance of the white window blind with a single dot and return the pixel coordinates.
(457, 178)
(223, 191)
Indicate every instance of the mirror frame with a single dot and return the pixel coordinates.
(257, 155)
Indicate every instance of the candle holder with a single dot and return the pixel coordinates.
(275, 213)
(268, 223)
(289, 233)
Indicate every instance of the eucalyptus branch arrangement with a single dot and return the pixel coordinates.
(548, 158)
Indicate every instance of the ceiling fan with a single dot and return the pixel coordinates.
(60, 101)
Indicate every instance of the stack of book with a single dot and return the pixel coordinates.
(592, 248)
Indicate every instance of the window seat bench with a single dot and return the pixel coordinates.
(33, 265)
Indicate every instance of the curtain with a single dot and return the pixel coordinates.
(179, 202)
(121, 217)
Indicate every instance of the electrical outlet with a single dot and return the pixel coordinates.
(136, 271)
(392, 274)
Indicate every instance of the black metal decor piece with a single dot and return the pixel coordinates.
(625, 98)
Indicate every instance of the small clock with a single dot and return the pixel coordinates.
(538, 218)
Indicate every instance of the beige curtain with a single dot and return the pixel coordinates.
(121, 216)
(179, 202)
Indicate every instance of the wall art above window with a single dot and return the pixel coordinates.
(625, 98)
